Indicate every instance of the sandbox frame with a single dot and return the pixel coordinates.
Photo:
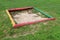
(25, 8)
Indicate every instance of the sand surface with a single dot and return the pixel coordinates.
(26, 16)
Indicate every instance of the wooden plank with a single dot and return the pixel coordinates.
(10, 17)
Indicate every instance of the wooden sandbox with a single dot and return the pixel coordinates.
(28, 15)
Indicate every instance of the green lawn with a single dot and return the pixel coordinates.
(49, 30)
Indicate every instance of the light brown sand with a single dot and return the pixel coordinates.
(26, 16)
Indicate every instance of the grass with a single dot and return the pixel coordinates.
(42, 31)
